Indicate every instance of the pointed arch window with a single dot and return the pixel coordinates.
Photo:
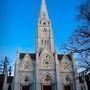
(47, 80)
(48, 22)
(41, 42)
(26, 79)
(45, 30)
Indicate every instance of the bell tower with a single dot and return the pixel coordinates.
(44, 31)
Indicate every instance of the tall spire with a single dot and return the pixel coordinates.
(43, 9)
(44, 34)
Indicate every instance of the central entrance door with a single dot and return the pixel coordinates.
(26, 87)
(67, 87)
(47, 87)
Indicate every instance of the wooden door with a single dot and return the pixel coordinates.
(26, 87)
(67, 87)
(47, 87)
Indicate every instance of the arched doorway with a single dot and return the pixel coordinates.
(47, 83)
(26, 84)
(25, 87)
(67, 87)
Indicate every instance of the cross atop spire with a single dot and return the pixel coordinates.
(43, 9)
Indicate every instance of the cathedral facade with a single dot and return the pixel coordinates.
(45, 69)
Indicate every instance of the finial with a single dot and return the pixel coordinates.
(18, 50)
(27, 51)
(72, 55)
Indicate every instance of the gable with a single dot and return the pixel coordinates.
(26, 61)
(46, 59)
(61, 56)
(45, 51)
(32, 55)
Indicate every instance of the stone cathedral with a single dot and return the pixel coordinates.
(45, 69)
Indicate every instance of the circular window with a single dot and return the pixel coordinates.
(44, 23)
(47, 61)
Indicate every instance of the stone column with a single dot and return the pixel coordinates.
(16, 82)
(58, 79)
(34, 77)
(38, 85)
(73, 72)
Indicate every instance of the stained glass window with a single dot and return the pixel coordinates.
(26, 66)
(47, 61)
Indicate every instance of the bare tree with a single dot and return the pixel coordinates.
(79, 42)
(3, 64)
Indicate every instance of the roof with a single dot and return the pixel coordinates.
(60, 56)
(22, 55)
(32, 55)
(69, 57)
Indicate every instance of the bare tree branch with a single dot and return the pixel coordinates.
(79, 42)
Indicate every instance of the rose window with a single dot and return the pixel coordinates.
(47, 61)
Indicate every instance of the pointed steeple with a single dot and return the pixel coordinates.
(43, 11)
(44, 34)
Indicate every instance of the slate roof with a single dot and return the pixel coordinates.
(69, 57)
(60, 56)
(32, 55)
(22, 55)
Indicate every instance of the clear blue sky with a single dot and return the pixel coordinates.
(19, 18)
